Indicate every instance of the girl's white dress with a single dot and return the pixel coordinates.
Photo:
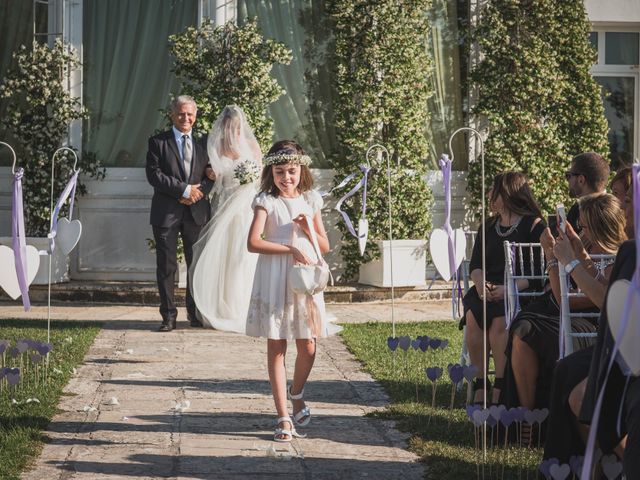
(222, 266)
(274, 310)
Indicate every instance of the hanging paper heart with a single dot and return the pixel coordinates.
(616, 299)
(439, 248)
(68, 234)
(8, 277)
(363, 234)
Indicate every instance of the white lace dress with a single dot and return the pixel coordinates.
(275, 311)
(222, 266)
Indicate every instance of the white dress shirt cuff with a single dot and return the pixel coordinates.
(187, 192)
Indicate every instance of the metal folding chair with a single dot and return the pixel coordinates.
(567, 335)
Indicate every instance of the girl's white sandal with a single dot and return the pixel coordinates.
(304, 413)
(285, 435)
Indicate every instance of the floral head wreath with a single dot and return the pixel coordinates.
(286, 155)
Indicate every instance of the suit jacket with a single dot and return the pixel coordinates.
(165, 172)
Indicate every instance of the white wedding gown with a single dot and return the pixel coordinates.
(222, 271)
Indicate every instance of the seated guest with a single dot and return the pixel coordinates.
(533, 349)
(516, 218)
(566, 437)
(620, 183)
(588, 174)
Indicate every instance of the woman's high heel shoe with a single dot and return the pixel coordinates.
(303, 416)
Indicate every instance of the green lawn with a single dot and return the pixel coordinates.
(443, 438)
(21, 424)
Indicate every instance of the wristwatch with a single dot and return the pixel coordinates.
(571, 265)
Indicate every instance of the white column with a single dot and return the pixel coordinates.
(219, 11)
(72, 34)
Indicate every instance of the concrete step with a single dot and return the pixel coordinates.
(146, 293)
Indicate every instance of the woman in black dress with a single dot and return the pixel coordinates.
(516, 218)
(533, 347)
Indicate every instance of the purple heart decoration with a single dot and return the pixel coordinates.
(507, 418)
(14, 352)
(4, 344)
(424, 343)
(415, 344)
(13, 376)
(470, 372)
(575, 462)
(405, 342)
(456, 373)
(433, 373)
(611, 467)
(3, 372)
(44, 348)
(519, 413)
(444, 343)
(35, 358)
(491, 422)
(392, 343)
(545, 466)
(434, 343)
(472, 408)
(22, 346)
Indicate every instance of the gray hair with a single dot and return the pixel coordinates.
(181, 100)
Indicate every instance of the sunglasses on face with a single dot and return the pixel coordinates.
(569, 174)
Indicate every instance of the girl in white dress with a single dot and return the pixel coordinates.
(221, 265)
(280, 234)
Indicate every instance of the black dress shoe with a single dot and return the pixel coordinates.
(194, 322)
(167, 325)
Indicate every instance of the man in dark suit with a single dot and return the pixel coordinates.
(176, 165)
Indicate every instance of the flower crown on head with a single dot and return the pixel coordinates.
(286, 155)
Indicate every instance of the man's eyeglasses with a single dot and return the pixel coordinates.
(570, 174)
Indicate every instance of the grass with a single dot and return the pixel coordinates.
(443, 438)
(21, 424)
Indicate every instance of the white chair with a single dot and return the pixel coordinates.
(516, 268)
(567, 335)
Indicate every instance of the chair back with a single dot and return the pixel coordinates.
(567, 334)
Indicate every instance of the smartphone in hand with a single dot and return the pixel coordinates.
(552, 223)
(562, 216)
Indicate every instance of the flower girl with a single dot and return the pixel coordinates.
(280, 234)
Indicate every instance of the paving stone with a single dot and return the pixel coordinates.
(224, 429)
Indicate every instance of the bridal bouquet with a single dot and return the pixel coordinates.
(246, 172)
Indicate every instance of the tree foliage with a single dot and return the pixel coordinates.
(534, 87)
(227, 65)
(39, 112)
(381, 93)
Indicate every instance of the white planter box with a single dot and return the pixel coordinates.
(59, 261)
(409, 265)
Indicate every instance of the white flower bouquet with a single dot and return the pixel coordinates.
(246, 172)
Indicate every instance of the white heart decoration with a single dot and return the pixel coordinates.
(616, 299)
(559, 472)
(439, 248)
(68, 234)
(363, 233)
(9, 277)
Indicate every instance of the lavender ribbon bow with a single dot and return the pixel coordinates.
(456, 294)
(362, 183)
(18, 242)
(69, 191)
(633, 288)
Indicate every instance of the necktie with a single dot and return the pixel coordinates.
(187, 155)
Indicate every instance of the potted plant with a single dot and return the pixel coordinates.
(39, 112)
(381, 91)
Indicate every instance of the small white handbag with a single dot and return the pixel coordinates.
(310, 279)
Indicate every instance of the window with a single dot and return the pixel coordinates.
(618, 73)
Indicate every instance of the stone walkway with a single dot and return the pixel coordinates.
(196, 404)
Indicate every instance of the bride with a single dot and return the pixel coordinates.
(222, 268)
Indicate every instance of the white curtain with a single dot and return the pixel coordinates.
(127, 73)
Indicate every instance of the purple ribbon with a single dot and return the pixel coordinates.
(69, 191)
(511, 310)
(362, 183)
(19, 243)
(633, 288)
(456, 292)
